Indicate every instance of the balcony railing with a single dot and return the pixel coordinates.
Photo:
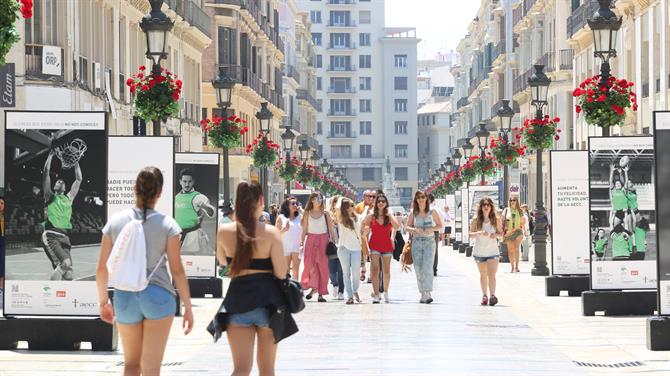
(34, 64)
(341, 2)
(549, 61)
(346, 46)
(305, 95)
(193, 14)
(522, 11)
(578, 18)
(478, 80)
(565, 59)
(521, 82)
(498, 50)
(337, 68)
(342, 90)
(292, 72)
(347, 134)
(346, 23)
(462, 102)
(246, 77)
(350, 112)
(261, 19)
(495, 107)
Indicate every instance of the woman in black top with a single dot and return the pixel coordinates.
(255, 255)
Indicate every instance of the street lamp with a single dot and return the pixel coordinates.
(156, 26)
(326, 166)
(264, 117)
(287, 139)
(223, 86)
(467, 149)
(539, 84)
(483, 141)
(304, 151)
(505, 113)
(605, 27)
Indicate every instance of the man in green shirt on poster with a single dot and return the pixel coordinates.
(191, 207)
(55, 238)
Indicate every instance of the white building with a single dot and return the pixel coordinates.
(366, 85)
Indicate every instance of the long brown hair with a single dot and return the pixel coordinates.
(415, 203)
(148, 186)
(518, 203)
(386, 209)
(478, 222)
(343, 216)
(310, 206)
(246, 205)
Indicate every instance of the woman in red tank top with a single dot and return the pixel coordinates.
(380, 228)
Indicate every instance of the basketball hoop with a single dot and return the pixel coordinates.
(70, 153)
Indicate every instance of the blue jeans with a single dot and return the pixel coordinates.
(351, 269)
(152, 303)
(336, 278)
(423, 255)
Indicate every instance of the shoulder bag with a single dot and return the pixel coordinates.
(331, 248)
(406, 256)
(293, 294)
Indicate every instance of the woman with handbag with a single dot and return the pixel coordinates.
(513, 224)
(288, 224)
(421, 224)
(255, 255)
(380, 228)
(317, 232)
(485, 230)
(349, 250)
(334, 265)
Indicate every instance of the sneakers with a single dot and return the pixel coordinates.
(485, 300)
(386, 297)
(423, 298)
(321, 299)
(429, 299)
(375, 299)
(493, 301)
(340, 296)
(334, 291)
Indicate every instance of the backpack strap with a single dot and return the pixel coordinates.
(156, 267)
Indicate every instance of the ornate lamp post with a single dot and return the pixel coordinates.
(483, 140)
(264, 117)
(505, 113)
(467, 149)
(539, 88)
(223, 86)
(287, 139)
(605, 26)
(156, 26)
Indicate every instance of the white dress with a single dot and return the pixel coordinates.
(292, 236)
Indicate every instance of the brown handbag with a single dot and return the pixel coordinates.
(406, 256)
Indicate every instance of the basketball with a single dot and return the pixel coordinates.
(624, 161)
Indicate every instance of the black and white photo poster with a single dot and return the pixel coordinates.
(662, 153)
(195, 210)
(458, 202)
(465, 214)
(623, 215)
(56, 197)
(478, 192)
(570, 211)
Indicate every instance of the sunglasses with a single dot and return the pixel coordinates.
(513, 200)
(485, 205)
(318, 199)
(294, 204)
(421, 198)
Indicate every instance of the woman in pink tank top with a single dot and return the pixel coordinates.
(380, 228)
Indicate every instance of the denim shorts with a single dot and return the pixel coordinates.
(479, 259)
(259, 317)
(152, 303)
(384, 254)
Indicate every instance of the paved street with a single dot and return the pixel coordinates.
(526, 334)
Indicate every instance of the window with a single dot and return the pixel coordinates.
(227, 46)
(365, 61)
(319, 128)
(400, 127)
(401, 151)
(365, 127)
(401, 105)
(340, 85)
(365, 105)
(340, 40)
(366, 83)
(319, 61)
(340, 63)
(401, 173)
(400, 61)
(319, 106)
(340, 151)
(364, 39)
(404, 192)
(318, 83)
(340, 129)
(364, 17)
(400, 83)
(433, 119)
(315, 16)
(366, 151)
(368, 174)
(340, 18)
(340, 106)
(316, 38)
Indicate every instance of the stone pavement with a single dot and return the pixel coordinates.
(525, 334)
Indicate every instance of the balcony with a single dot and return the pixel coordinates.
(338, 68)
(341, 113)
(345, 46)
(34, 64)
(342, 135)
(521, 82)
(522, 11)
(566, 59)
(462, 102)
(341, 90)
(305, 95)
(341, 23)
(246, 77)
(260, 18)
(288, 122)
(474, 84)
(578, 18)
(498, 50)
(193, 14)
(291, 71)
(341, 2)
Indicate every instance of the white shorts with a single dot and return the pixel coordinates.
(195, 242)
(290, 249)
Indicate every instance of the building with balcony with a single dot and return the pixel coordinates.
(247, 46)
(366, 84)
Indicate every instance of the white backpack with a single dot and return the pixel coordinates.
(127, 263)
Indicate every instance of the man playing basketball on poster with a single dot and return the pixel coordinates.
(190, 208)
(59, 220)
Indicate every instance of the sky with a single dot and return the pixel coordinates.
(440, 24)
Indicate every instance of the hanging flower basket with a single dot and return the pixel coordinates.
(224, 132)
(604, 106)
(264, 152)
(156, 96)
(505, 152)
(9, 35)
(467, 172)
(306, 174)
(484, 165)
(539, 134)
(288, 170)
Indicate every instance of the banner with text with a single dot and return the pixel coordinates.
(623, 213)
(56, 198)
(569, 172)
(662, 154)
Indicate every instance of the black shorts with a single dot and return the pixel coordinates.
(447, 230)
(634, 211)
(620, 214)
(57, 246)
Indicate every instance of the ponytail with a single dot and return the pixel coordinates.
(148, 186)
(246, 206)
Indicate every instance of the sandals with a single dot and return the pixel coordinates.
(310, 294)
(493, 301)
(485, 300)
(321, 299)
(358, 298)
(349, 301)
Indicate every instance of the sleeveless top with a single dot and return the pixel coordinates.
(513, 218)
(632, 200)
(292, 236)
(619, 199)
(316, 226)
(424, 222)
(620, 245)
(599, 245)
(484, 245)
(380, 239)
(256, 263)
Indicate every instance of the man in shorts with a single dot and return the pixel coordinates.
(446, 218)
(190, 208)
(365, 208)
(58, 224)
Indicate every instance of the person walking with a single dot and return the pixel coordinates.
(527, 233)
(436, 234)
(365, 208)
(255, 254)
(334, 265)
(485, 229)
(380, 228)
(288, 224)
(349, 248)
(513, 225)
(144, 318)
(316, 229)
(446, 220)
(421, 224)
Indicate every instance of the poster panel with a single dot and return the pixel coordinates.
(458, 202)
(56, 198)
(478, 192)
(622, 213)
(662, 154)
(465, 215)
(569, 171)
(197, 187)
(127, 156)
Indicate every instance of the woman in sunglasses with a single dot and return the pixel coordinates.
(513, 225)
(380, 228)
(485, 229)
(288, 223)
(317, 230)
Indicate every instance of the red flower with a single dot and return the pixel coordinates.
(145, 87)
(602, 98)
(577, 92)
(175, 95)
(178, 83)
(617, 109)
(578, 109)
(589, 99)
(129, 81)
(634, 107)
(142, 67)
(557, 137)
(132, 89)
(590, 92)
